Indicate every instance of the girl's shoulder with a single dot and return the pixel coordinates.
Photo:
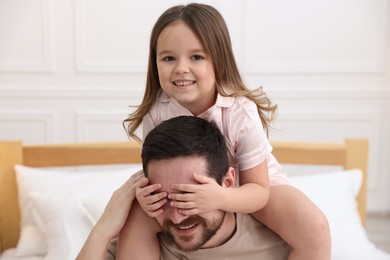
(241, 113)
(243, 100)
(233, 101)
(241, 103)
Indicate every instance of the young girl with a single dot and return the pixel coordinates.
(192, 71)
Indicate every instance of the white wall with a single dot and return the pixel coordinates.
(70, 69)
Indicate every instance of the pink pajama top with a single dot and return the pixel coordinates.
(238, 120)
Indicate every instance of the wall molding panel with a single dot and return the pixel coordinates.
(45, 119)
(85, 32)
(328, 92)
(357, 47)
(71, 92)
(16, 57)
(91, 123)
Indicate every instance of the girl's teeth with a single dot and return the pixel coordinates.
(184, 83)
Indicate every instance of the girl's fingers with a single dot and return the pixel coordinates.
(202, 179)
(155, 213)
(182, 205)
(152, 199)
(184, 187)
(182, 197)
(157, 205)
(145, 191)
(143, 182)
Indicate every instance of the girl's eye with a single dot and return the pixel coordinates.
(168, 58)
(197, 57)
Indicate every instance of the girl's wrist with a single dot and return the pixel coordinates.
(224, 199)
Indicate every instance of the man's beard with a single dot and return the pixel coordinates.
(209, 230)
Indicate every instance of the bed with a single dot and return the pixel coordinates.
(46, 212)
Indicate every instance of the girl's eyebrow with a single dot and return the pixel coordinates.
(197, 50)
(165, 52)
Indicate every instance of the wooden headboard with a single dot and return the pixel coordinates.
(353, 153)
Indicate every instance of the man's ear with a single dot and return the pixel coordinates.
(229, 178)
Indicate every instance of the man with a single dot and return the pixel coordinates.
(171, 154)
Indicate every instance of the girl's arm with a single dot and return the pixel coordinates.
(253, 192)
(250, 196)
(111, 221)
(138, 238)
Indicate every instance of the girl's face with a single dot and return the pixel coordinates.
(185, 71)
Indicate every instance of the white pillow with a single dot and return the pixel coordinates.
(93, 207)
(335, 194)
(32, 242)
(50, 213)
(53, 196)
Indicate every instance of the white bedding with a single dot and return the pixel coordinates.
(9, 254)
(64, 206)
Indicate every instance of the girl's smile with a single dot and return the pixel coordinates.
(183, 83)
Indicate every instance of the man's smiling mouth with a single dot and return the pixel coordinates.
(185, 227)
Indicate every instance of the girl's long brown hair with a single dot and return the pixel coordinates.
(209, 26)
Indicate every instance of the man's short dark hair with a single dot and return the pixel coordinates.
(187, 136)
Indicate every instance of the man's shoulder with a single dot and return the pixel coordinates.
(255, 240)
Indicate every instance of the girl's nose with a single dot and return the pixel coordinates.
(182, 66)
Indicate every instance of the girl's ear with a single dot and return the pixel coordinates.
(228, 180)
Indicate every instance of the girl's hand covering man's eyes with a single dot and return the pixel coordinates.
(150, 201)
(193, 199)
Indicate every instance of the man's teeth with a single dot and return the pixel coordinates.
(184, 83)
(186, 227)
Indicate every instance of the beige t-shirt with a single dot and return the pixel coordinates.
(252, 240)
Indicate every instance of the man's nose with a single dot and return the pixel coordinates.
(175, 216)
